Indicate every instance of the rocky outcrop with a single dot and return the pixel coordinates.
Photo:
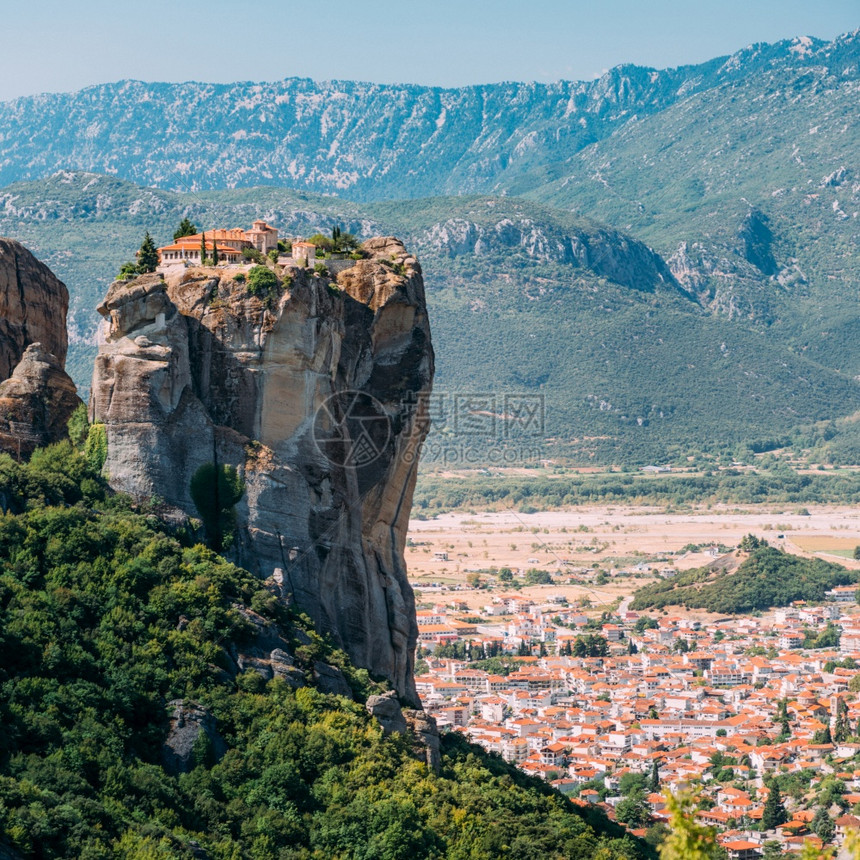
(33, 307)
(425, 737)
(606, 252)
(421, 727)
(35, 403)
(37, 396)
(314, 391)
(387, 711)
(192, 739)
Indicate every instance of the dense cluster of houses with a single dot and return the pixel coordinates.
(679, 695)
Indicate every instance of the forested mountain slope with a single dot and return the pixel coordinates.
(522, 299)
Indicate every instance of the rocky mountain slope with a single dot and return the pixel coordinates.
(750, 192)
(37, 396)
(364, 141)
(314, 391)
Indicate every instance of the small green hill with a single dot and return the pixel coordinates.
(766, 578)
(110, 624)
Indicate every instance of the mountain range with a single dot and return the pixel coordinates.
(668, 258)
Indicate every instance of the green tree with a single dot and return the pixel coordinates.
(823, 826)
(633, 810)
(830, 791)
(687, 839)
(823, 736)
(841, 729)
(127, 271)
(750, 542)
(590, 646)
(147, 256)
(772, 850)
(506, 575)
(215, 257)
(783, 719)
(774, 812)
(262, 281)
(644, 623)
(534, 576)
(186, 228)
(79, 426)
(215, 490)
(654, 779)
(203, 251)
(857, 551)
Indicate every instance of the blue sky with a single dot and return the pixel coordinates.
(56, 45)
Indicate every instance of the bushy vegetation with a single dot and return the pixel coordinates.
(767, 578)
(780, 485)
(261, 281)
(105, 617)
(215, 491)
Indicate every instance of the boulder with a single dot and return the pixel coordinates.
(188, 722)
(386, 709)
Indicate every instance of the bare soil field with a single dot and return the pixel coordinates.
(446, 549)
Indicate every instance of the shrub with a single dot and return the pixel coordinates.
(261, 281)
(79, 426)
(215, 490)
(96, 447)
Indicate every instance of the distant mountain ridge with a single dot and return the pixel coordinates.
(359, 140)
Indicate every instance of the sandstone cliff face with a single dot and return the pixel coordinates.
(33, 307)
(35, 403)
(314, 393)
(37, 396)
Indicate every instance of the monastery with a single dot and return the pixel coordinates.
(230, 244)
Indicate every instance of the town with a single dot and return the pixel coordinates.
(616, 707)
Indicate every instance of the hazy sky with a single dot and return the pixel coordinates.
(51, 46)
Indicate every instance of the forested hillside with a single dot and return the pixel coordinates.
(135, 722)
(767, 578)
